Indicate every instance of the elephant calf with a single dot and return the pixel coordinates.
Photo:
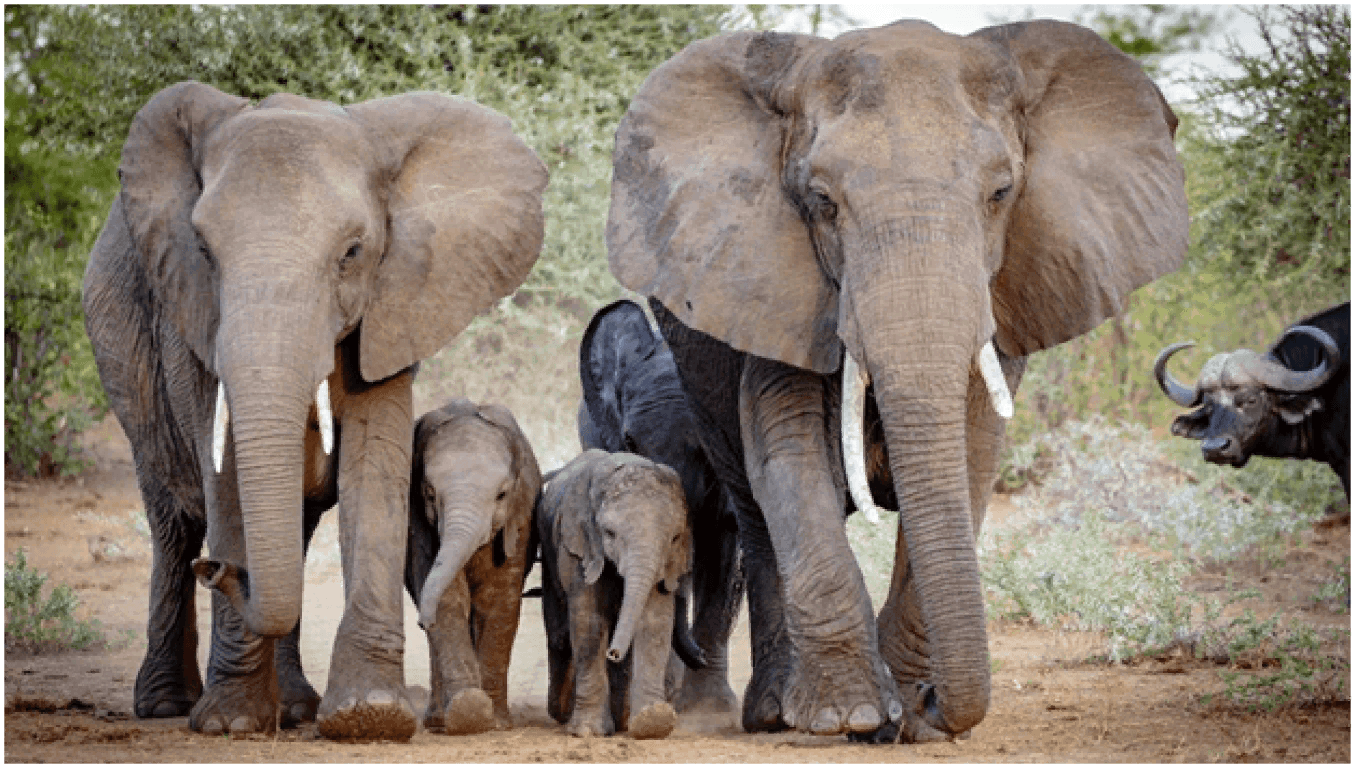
(614, 546)
(473, 485)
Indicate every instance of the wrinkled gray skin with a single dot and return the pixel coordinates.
(907, 196)
(633, 401)
(614, 549)
(473, 487)
(258, 251)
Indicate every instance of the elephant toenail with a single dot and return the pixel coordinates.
(864, 718)
(895, 710)
(381, 698)
(165, 709)
(826, 722)
(244, 724)
(212, 727)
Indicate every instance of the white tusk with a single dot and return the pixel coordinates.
(326, 417)
(853, 437)
(221, 420)
(997, 383)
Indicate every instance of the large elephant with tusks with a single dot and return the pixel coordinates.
(932, 208)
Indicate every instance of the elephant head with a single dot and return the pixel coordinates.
(636, 520)
(916, 198)
(269, 233)
(474, 482)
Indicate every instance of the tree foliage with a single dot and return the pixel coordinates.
(76, 75)
(1271, 157)
(1153, 33)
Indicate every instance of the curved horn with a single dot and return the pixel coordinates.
(854, 437)
(1178, 393)
(1277, 377)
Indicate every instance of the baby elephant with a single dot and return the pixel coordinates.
(614, 546)
(472, 490)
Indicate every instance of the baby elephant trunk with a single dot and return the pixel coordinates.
(463, 532)
(640, 579)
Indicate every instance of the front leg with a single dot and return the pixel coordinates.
(651, 717)
(588, 639)
(496, 607)
(717, 589)
(457, 703)
(366, 697)
(837, 681)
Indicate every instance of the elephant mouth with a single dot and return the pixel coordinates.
(221, 420)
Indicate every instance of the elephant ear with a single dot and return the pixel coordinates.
(698, 218)
(160, 186)
(464, 205)
(1103, 210)
(679, 562)
(575, 521)
(525, 471)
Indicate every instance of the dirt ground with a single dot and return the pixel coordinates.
(1046, 705)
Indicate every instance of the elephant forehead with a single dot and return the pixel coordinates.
(467, 449)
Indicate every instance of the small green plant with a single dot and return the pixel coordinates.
(38, 625)
(1336, 593)
(1272, 664)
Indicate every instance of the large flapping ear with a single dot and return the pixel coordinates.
(699, 219)
(571, 498)
(602, 356)
(1103, 210)
(160, 185)
(464, 203)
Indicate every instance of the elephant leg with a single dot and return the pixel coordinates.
(298, 698)
(559, 652)
(366, 697)
(168, 682)
(496, 607)
(837, 682)
(457, 703)
(710, 371)
(717, 588)
(649, 715)
(588, 638)
(242, 683)
(903, 638)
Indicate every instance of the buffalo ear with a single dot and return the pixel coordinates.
(1191, 425)
(1103, 208)
(699, 219)
(464, 205)
(1293, 409)
(160, 168)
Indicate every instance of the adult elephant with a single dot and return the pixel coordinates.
(926, 202)
(266, 281)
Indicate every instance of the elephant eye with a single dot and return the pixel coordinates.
(354, 251)
(822, 205)
(1001, 194)
(501, 495)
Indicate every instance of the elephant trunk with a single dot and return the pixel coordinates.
(463, 532)
(922, 317)
(269, 406)
(683, 643)
(640, 575)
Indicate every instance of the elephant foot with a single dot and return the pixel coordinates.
(161, 692)
(825, 700)
(365, 716)
(653, 722)
(706, 692)
(235, 706)
(762, 698)
(469, 711)
(299, 700)
(584, 726)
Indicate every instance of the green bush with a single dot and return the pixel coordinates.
(37, 625)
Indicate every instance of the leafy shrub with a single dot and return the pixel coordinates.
(37, 625)
(1272, 664)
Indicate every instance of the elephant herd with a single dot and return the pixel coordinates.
(883, 225)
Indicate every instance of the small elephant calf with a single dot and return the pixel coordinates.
(473, 486)
(614, 546)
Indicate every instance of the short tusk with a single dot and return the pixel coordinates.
(854, 438)
(221, 420)
(326, 417)
(997, 383)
